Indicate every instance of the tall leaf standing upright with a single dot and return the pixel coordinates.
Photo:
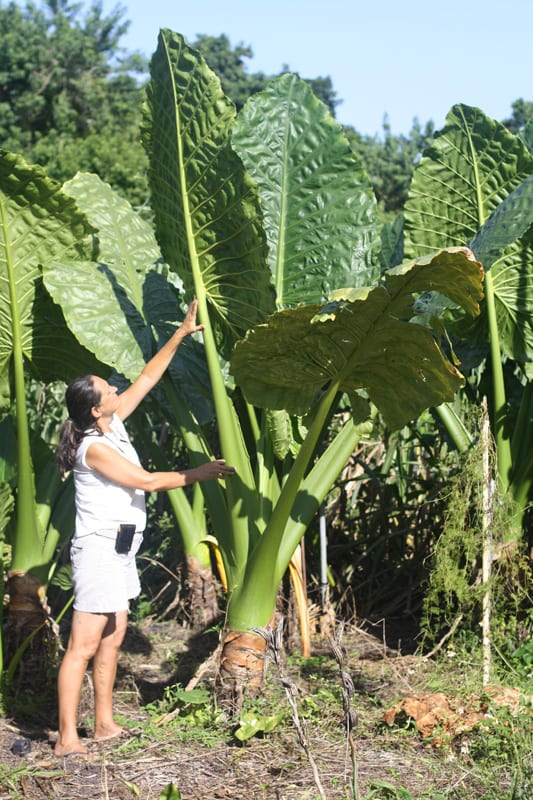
(208, 225)
(37, 223)
(320, 213)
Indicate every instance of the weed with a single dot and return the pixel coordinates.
(170, 792)
(456, 589)
(522, 661)
(382, 790)
(252, 724)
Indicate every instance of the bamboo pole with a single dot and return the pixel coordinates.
(487, 517)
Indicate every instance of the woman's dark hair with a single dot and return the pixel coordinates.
(80, 398)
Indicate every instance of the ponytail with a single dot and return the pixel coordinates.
(80, 397)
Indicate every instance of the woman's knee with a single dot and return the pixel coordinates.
(83, 648)
(121, 622)
(86, 634)
(115, 630)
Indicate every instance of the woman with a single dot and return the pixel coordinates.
(109, 488)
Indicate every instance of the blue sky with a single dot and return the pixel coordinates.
(407, 59)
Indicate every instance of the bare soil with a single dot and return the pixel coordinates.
(217, 765)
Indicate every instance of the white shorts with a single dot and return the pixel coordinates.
(104, 581)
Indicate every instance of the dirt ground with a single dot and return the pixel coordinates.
(274, 767)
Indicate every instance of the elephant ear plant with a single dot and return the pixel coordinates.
(474, 186)
(210, 228)
(37, 224)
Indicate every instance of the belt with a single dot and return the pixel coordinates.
(107, 533)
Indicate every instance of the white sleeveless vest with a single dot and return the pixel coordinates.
(101, 504)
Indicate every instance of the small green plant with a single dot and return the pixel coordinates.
(522, 660)
(505, 736)
(252, 724)
(180, 701)
(192, 714)
(382, 790)
(313, 705)
(170, 792)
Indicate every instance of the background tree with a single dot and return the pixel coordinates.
(522, 112)
(70, 96)
(70, 99)
(239, 84)
(390, 161)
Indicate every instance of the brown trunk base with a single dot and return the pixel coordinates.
(202, 590)
(241, 669)
(28, 625)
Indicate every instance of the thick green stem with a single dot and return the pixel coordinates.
(455, 427)
(27, 542)
(253, 598)
(503, 445)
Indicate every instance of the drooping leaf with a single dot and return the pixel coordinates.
(505, 244)
(208, 222)
(512, 281)
(92, 293)
(124, 237)
(319, 208)
(38, 223)
(363, 340)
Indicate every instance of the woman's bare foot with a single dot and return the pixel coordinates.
(74, 747)
(105, 732)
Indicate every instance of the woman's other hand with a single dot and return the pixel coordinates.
(213, 469)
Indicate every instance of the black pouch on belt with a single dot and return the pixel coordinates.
(124, 538)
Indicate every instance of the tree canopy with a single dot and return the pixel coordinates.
(70, 96)
(522, 112)
(239, 84)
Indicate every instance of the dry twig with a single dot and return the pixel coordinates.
(274, 641)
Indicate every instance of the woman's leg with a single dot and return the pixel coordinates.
(85, 636)
(104, 674)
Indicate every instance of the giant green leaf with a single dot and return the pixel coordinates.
(473, 164)
(509, 221)
(363, 340)
(114, 305)
(319, 208)
(207, 216)
(473, 187)
(103, 299)
(38, 223)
